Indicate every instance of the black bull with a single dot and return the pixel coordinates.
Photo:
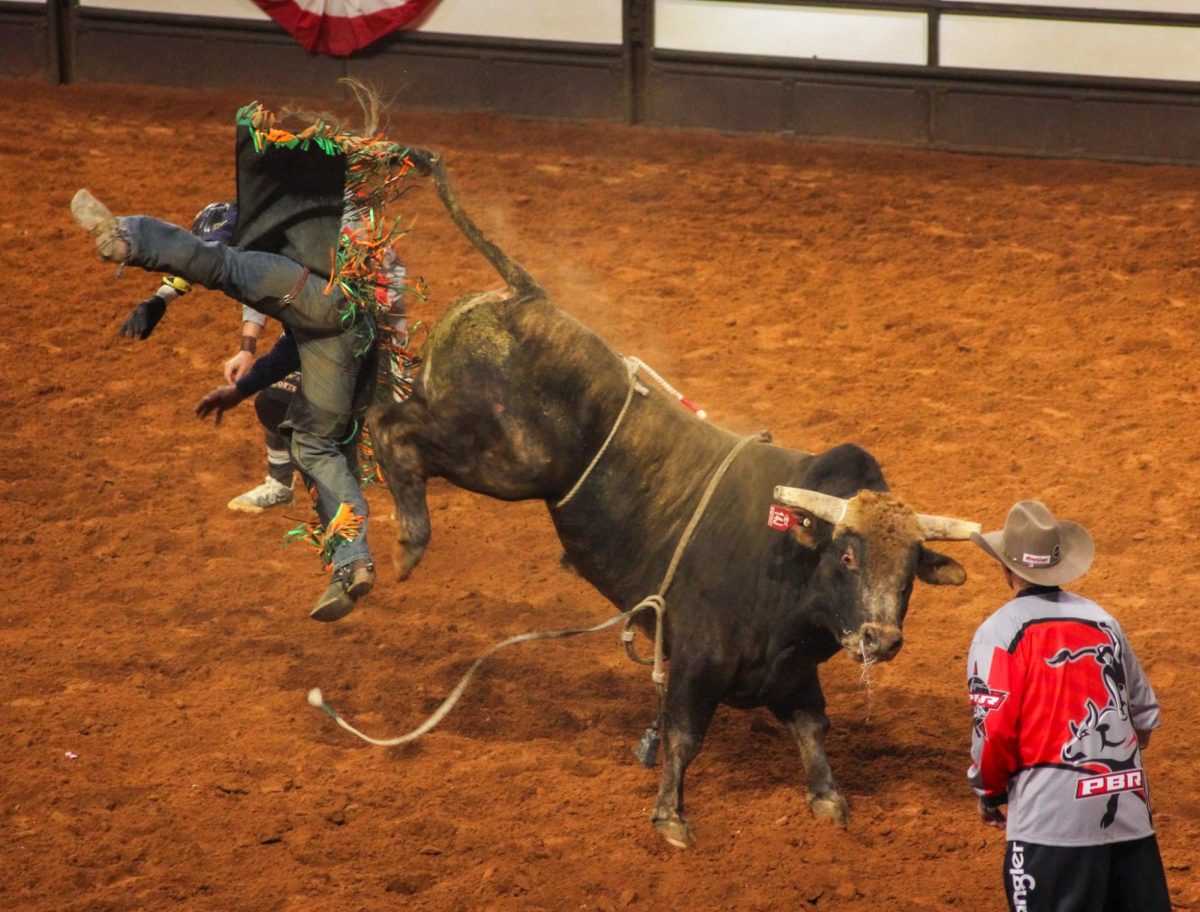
(514, 399)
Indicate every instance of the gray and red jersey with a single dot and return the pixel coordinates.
(1058, 699)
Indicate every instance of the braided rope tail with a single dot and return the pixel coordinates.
(316, 699)
(654, 602)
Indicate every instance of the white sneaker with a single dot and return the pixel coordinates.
(268, 494)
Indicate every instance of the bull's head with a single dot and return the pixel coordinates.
(868, 555)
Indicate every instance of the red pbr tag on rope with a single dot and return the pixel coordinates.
(780, 519)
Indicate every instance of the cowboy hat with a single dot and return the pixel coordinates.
(1039, 548)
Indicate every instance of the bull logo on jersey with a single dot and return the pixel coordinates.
(983, 700)
(1093, 742)
(1112, 666)
(1103, 742)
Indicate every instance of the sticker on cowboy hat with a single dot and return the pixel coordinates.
(1040, 560)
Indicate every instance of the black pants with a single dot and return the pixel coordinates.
(272, 404)
(1116, 877)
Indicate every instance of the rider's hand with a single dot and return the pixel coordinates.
(143, 318)
(218, 401)
(236, 367)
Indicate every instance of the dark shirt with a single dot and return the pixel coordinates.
(281, 360)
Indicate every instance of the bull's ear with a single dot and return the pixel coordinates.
(805, 529)
(939, 570)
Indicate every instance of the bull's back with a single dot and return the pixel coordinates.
(508, 340)
(519, 394)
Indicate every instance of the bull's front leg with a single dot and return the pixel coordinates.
(413, 529)
(399, 456)
(690, 707)
(804, 716)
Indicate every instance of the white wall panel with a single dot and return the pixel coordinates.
(1075, 48)
(587, 21)
(228, 9)
(775, 30)
(1133, 6)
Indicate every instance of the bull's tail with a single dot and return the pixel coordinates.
(521, 282)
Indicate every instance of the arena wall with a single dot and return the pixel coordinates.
(1108, 79)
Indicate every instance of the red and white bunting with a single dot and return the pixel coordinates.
(341, 27)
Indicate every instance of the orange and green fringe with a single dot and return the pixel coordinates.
(346, 525)
(377, 173)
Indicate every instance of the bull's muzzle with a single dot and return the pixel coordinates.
(874, 643)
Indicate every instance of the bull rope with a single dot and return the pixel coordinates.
(631, 367)
(638, 363)
(315, 698)
(657, 602)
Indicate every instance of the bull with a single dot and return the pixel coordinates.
(518, 400)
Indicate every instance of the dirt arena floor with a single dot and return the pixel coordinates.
(991, 328)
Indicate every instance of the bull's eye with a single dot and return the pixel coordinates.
(848, 559)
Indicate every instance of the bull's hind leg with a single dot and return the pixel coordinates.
(396, 440)
(804, 716)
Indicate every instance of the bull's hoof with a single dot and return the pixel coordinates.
(403, 562)
(676, 832)
(832, 806)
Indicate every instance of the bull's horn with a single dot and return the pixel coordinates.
(823, 506)
(945, 528)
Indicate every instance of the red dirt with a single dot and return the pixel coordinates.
(990, 328)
